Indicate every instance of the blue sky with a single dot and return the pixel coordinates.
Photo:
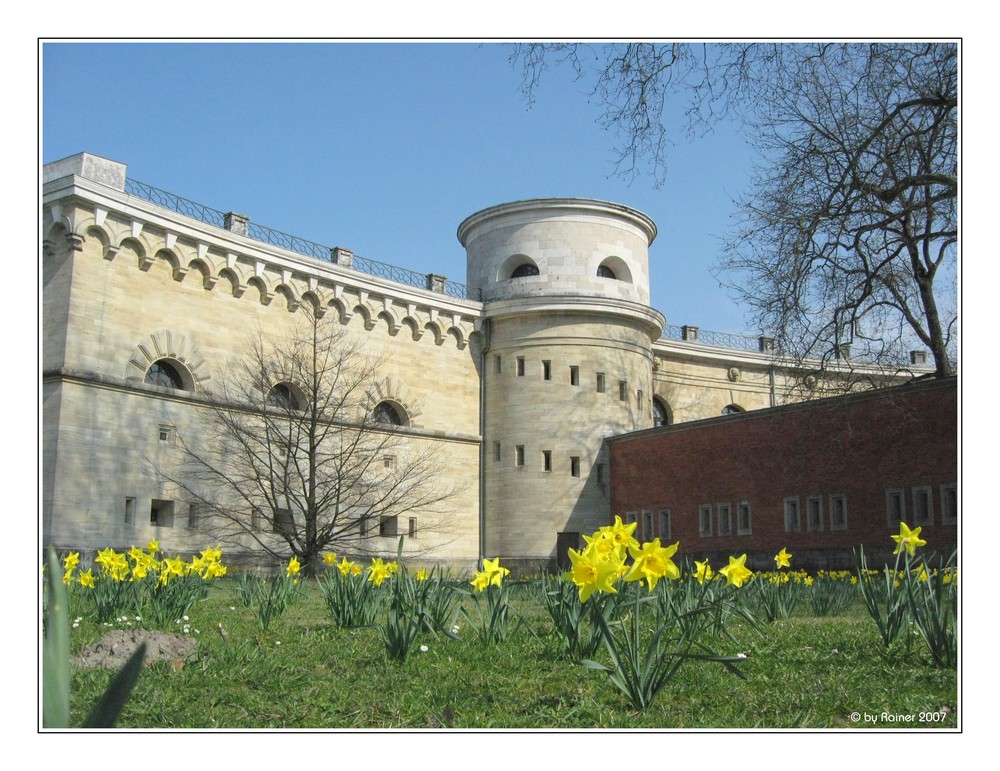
(383, 148)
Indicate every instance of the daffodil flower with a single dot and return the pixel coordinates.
(781, 559)
(703, 571)
(592, 572)
(293, 567)
(907, 539)
(652, 562)
(736, 572)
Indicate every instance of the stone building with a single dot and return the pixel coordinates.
(514, 381)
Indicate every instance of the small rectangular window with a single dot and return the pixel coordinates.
(792, 524)
(546, 370)
(622, 390)
(725, 518)
(838, 511)
(497, 364)
(255, 516)
(895, 507)
(638, 399)
(705, 520)
(412, 527)
(496, 452)
(574, 376)
(923, 506)
(665, 527)
(631, 517)
(363, 525)
(389, 461)
(519, 455)
(574, 466)
(194, 516)
(283, 522)
(130, 511)
(949, 504)
(647, 526)
(744, 520)
(814, 513)
(166, 433)
(520, 366)
(161, 513)
(388, 526)
(547, 460)
(600, 383)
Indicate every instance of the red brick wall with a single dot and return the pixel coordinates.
(857, 446)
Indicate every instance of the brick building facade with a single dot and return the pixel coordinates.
(819, 478)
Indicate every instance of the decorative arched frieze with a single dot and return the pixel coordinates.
(291, 302)
(414, 326)
(167, 344)
(236, 284)
(367, 316)
(390, 320)
(434, 327)
(258, 283)
(202, 268)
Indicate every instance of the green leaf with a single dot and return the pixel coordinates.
(109, 706)
(55, 652)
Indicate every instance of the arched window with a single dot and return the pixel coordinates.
(386, 412)
(603, 271)
(162, 373)
(524, 269)
(283, 397)
(660, 415)
(732, 409)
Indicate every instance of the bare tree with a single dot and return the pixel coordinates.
(847, 235)
(299, 454)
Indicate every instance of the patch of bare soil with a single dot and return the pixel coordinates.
(117, 647)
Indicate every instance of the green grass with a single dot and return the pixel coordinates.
(305, 672)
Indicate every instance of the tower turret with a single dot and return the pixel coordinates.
(565, 283)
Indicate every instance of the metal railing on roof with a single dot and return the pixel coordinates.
(718, 339)
(292, 243)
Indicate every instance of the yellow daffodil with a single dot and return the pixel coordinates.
(736, 572)
(392, 567)
(480, 581)
(68, 576)
(809, 580)
(293, 567)
(907, 539)
(621, 534)
(71, 560)
(215, 570)
(330, 558)
(422, 575)
(153, 546)
(86, 579)
(345, 566)
(593, 572)
(355, 569)
(378, 571)
(651, 562)
(496, 573)
(781, 559)
(703, 571)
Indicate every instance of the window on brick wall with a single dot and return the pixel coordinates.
(838, 511)
(895, 507)
(647, 526)
(520, 366)
(546, 370)
(949, 504)
(724, 511)
(923, 506)
(744, 521)
(665, 526)
(546, 460)
(814, 513)
(574, 376)
(601, 383)
(519, 455)
(574, 466)
(792, 522)
(622, 390)
(630, 517)
(705, 520)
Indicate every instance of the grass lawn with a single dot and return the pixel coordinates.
(305, 672)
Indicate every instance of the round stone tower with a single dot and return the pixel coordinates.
(567, 363)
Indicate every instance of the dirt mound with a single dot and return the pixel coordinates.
(115, 648)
